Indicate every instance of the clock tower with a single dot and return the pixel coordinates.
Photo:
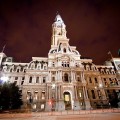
(58, 30)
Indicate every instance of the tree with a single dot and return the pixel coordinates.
(15, 96)
(4, 97)
(10, 96)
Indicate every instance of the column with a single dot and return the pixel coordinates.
(84, 93)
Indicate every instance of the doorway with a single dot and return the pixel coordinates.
(67, 101)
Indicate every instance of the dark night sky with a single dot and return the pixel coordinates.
(92, 25)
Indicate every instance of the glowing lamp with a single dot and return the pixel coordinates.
(4, 78)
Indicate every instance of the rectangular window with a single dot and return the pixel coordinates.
(93, 94)
(42, 106)
(45, 67)
(37, 79)
(16, 78)
(96, 80)
(43, 95)
(44, 79)
(30, 80)
(53, 79)
(78, 79)
(90, 81)
(23, 78)
(22, 82)
(36, 95)
(80, 93)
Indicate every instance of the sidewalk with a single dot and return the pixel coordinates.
(57, 113)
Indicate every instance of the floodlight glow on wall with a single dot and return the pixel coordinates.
(4, 78)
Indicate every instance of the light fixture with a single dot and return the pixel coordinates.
(4, 78)
(53, 86)
(100, 85)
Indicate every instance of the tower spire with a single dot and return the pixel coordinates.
(58, 29)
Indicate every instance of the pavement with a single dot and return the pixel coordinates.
(110, 114)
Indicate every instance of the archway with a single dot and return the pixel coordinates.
(67, 101)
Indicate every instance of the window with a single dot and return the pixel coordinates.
(23, 78)
(66, 77)
(29, 97)
(67, 64)
(90, 81)
(32, 66)
(34, 106)
(43, 94)
(36, 95)
(11, 70)
(111, 82)
(78, 79)
(18, 70)
(53, 79)
(16, 78)
(53, 64)
(62, 64)
(116, 82)
(24, 70)
(37, 79)
(30, 80)
(64, 50)
(42, 106)
(38, 66)
(80, 93)
(93, 94)
(45, 67)
(96, 80)
(44, 79)
(22, 82)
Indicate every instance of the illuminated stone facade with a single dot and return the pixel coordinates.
(64, 80)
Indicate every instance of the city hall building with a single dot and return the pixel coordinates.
(64, 80)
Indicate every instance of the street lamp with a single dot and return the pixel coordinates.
(4, 79)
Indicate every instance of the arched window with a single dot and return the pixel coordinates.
(66, 77)
(64, 50)
(30, 80)
(18, 70)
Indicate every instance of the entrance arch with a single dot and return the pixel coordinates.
(67, 100)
